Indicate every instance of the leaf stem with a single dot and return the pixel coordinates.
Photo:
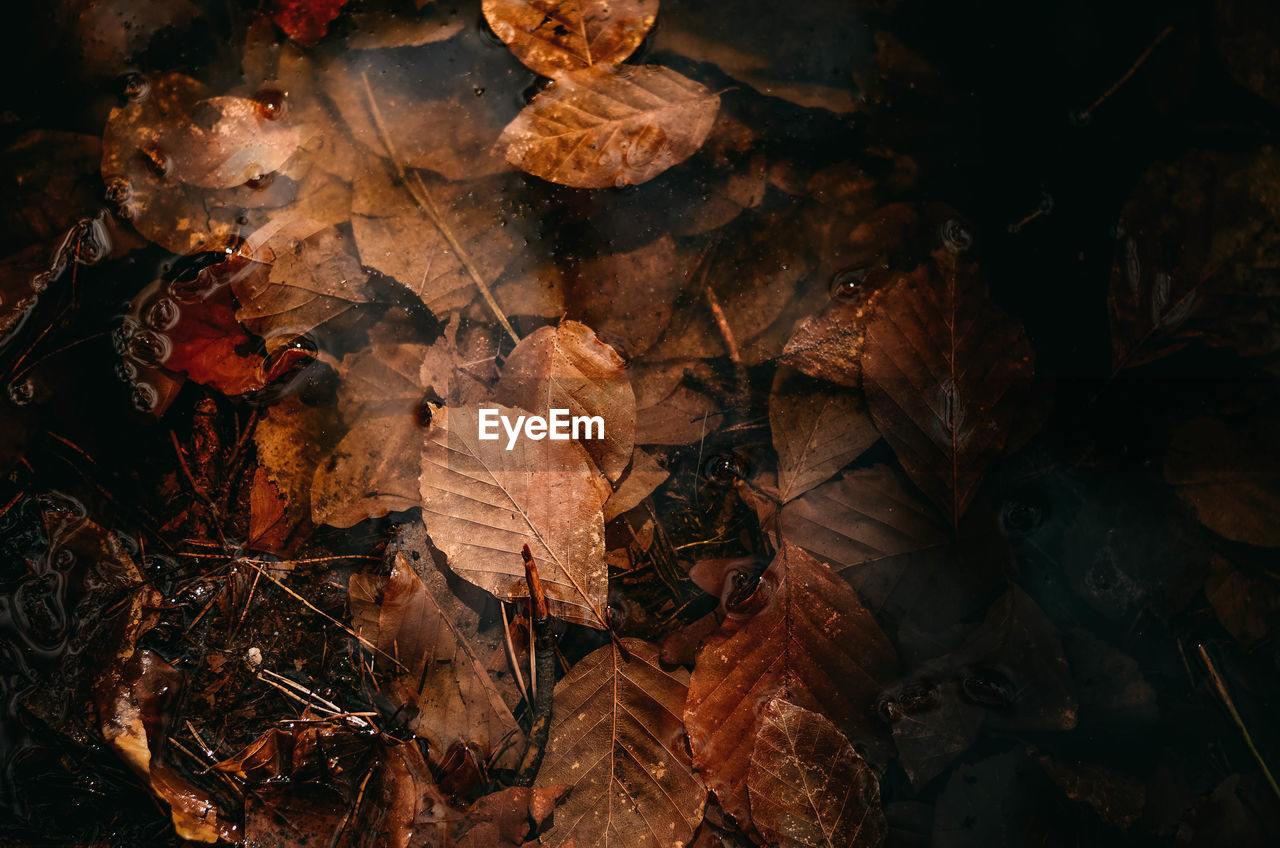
(543, 697)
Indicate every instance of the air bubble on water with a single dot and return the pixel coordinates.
(119, 190)
(145, 397)
(956, 236)
(126, 371)
(163, 314)
(22, 391)
(136, 88)
(150, 348)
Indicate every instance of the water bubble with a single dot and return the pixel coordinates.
(149, 348)
(262, 180)
(22, 391)
(956, 236)
(155, 159)
(272, 105)
(136, 88)
(126, 371)
(479, 90)
(846, 283)
(162, 314)
(145, 397)
(119, 190)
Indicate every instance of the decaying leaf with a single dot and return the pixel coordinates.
(1222, 468)
(808, 786)
(305, 21)
(567, 367)
(947, 376)
(291, 439)
(816, 431)
(554, 37)
(1195, 257)
(481, 503)
(441, 679)
(595, 128)
(617, 740)
(642, 477)
(800, 634)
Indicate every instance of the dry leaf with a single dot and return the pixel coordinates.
(802, 634)
(291, 439)
(441, 677)
(554, 37)
(808, 787)
(594, 128)
(481, 503)
(817, 430)
(1244, 602)
(1223, 469)
(567, 367)
(617, 739)
(643, 476)
(313, 277)
(947, 375)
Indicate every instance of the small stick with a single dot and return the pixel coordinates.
(544, 649)
(1164, 33)
(1220, 686)
(511, 655)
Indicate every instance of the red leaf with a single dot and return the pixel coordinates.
(305, 21)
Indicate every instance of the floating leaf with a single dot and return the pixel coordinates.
(803, 635)
(305, 21)
(554, 37)
(817, 430)
(594, 128)
(808, 786)
(481, 503)
(618, 741)
(442, 679)
(567, 367)
(947, 376)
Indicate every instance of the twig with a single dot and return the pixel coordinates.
(1133, 69)
(511, 656)
(1220, 686)
(428, 206)
(544, 649)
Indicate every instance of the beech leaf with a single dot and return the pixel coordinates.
(817, 430)
(947, 374)
(595, 128)
(811, 641)
(481, 503)
(808, 786)
(567, 367)
(617, 739)
(554, 37)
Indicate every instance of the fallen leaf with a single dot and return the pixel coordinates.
(1245, 603)
(617, 739)
(291, 439)
(1246, 32)
(481, 503)
(801, 634)
(227, 141)
(441, 678)
(305, 21)
(947, 376)
(1223, 469)
(554, 37)
(808, 786)
(567, 367)
(594, 128)
(1194, 257)
(642, 477)
(817, 430)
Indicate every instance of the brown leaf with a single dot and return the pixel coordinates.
(595, 128)
(397, 238)
(1225, 471)
(1244, 603)
(554, 37)
(643, 476)
(1194, 258)
(567, 367)
(481, 503)
(947, 374)
(441, 678)
(291, 439)
(617, 739)
(228, 141)
(313, 277)
(809, 640)
(817, 430)
(627, 297)
(808, 786)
